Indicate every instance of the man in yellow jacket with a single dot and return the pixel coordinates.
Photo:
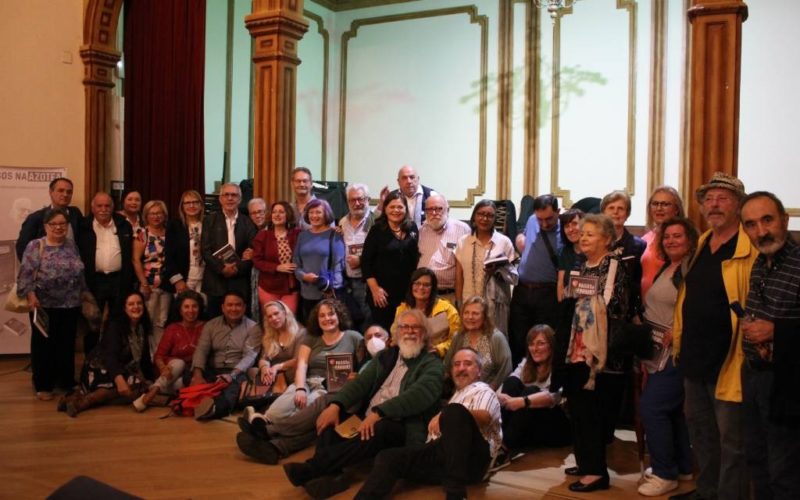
(707, 342)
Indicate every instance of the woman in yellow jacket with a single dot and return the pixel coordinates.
(442, 317)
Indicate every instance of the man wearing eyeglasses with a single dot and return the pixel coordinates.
(771, 340)
(463, 440)
(534, 300)
(61, 190)
(397, 393)
(438, 238)
(707, 344)
(232, 273)
(354, 228)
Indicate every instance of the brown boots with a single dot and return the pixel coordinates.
(78, 401)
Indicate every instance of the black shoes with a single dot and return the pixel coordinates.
(256, 428)
(601, 483)
(298, 473)
(689, 495)
(257, 449)
(325, 487)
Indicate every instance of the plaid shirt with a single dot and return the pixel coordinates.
(774, 294)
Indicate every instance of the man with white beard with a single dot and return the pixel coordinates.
(437, 244)
(463, 440)
(395, 396)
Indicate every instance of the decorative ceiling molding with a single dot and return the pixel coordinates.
(340, 5)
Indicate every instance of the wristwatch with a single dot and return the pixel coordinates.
(527, 401)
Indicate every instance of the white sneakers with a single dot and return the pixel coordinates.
(653, 486)
(681, 477)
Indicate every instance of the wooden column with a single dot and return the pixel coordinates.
(276, 26)
(100, 57)
(716, 51)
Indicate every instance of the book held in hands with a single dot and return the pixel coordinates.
(339, 367)
(227, 255)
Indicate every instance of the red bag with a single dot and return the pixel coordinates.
(189, 397)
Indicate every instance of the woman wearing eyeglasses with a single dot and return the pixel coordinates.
(148, 263)
(442, 318)
(183, 259)
(664, 203)
(483, 264)
(51, 277)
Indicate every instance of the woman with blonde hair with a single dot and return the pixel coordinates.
(148, 263)
(664, 203)
(183, 259)
(479, 333)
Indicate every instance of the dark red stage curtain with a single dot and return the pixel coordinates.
(164, 74)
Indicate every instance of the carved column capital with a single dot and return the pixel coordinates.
(98, 65)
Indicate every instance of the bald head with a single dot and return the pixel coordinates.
(102, 207)
(407, 180)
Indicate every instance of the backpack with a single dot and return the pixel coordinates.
(189, 397)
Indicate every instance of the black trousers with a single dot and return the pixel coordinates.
(587, 409)
(334, 453)
(107, 290)
(53, 357)
(529, 307)
(459, 457)
(533, 427)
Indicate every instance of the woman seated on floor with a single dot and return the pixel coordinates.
(120, 365)
(288, 425)
(532, 415)
(442, 316)
(279, 347)
(478, 332)
(328, 333)
(173, 358)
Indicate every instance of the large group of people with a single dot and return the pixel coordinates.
(436, 347)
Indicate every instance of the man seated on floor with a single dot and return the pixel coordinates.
(227, 347)
(396, 395)
(463, 440)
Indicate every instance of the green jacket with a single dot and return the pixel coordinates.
(417, 402)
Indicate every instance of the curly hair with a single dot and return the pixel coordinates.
(312, 324)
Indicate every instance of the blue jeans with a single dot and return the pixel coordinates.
(715, 428)
(661, 410)
(773, 450)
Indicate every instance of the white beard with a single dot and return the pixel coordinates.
(410, 349)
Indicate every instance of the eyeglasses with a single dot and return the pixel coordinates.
(434, 210)
(660, 204)
(407, 327)
(229, 195)
(57, 224)
(362, 199)
(484, 215)
(190, 203)
(422, 284)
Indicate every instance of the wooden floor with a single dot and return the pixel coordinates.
(144, 455)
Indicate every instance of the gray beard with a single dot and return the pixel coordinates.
(409, 350)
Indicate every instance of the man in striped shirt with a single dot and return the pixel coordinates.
(463, 439)
(770, 343)
(437, 244)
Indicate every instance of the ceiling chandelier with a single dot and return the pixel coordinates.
(554, 6)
